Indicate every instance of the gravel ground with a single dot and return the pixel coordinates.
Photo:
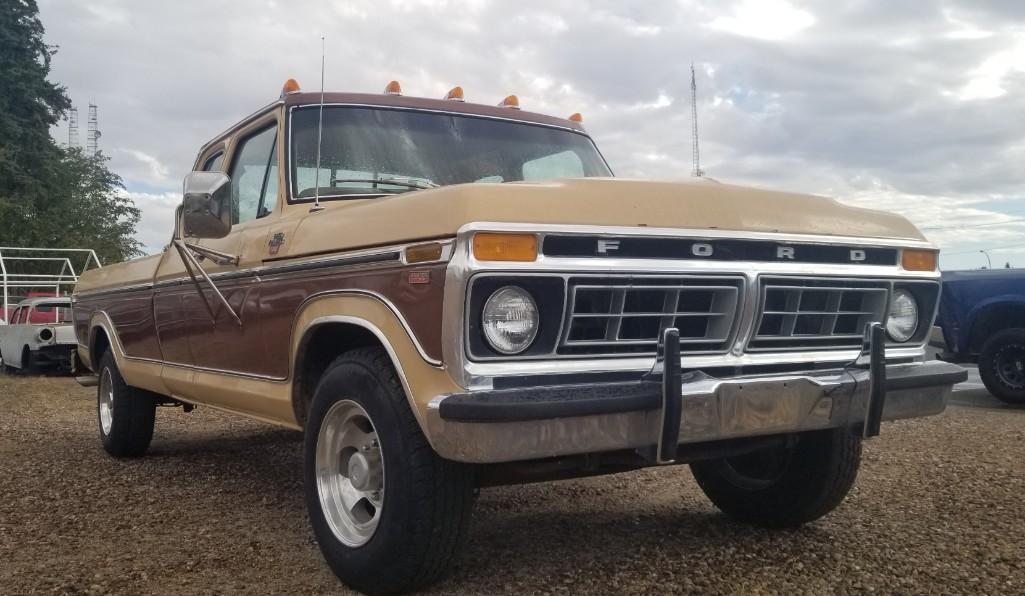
(217, 508)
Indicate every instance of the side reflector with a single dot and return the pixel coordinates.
(918, 260)
(489, 246)
(393, 88)
(290, 86)
(455, 94)
(576, 118)
(510, 102)
(421, 253)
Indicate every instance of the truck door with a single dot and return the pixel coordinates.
(219, 343)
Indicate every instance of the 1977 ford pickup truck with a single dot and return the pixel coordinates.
(444, 296)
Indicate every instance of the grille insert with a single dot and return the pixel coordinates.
(613, 315)
(817, 314)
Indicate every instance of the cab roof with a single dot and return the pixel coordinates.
(385, 100)
(425, 103)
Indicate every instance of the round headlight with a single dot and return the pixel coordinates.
(902, 320)
(510, 320)
(45, 334)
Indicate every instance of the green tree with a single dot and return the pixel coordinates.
(29, 103)
(49, 196)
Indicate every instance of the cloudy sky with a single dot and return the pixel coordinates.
(915, 106)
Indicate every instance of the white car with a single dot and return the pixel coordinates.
(38, 336)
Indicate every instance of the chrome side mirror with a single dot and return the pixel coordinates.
(206, 207)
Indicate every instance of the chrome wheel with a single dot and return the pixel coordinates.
(106, 401)
(350, 473)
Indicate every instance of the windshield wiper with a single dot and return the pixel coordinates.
(417, 184)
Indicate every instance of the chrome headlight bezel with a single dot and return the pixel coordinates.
(511, 299)
(902, 316)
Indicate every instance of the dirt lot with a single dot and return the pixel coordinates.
(217, 508)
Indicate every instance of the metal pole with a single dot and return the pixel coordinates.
(989, 263)
(3, 272)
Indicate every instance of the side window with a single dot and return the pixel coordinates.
(213, 163)
(253, 186)
(22, 316)
(565, 164)
(13, 320)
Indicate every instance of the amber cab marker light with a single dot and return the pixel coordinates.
(918, 260)
(576, 118)
(393, 88)
(422, 253)
(290, 86)
(510, 101)
(489, 246)
(455, 94)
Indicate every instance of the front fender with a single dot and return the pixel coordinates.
(421, 378)
(977, 311)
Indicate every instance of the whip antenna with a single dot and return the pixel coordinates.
(697, 172)
(320, 132)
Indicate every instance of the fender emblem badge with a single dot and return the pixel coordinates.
(275, 243)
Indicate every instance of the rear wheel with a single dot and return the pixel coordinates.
(126, 414)
(388, 513)
(784, 486)
(1002, 365)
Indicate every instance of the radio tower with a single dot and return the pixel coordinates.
(697, 172)
(73, 128)
(92, 135)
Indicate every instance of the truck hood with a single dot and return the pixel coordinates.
(694, 205)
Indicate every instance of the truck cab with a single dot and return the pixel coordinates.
(443, 296)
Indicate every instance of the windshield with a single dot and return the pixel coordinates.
(380, 150)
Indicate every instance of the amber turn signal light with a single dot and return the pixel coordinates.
(510, 102)
(393, 88)
(490, 246)
(290, 86)
(455, 94)
(576, 117)
(918, 260)
(422, 253)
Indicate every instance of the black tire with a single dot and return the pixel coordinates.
(426, 504)
(133, 413)
(786, 486)
(1002, 365)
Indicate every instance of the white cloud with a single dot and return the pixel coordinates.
(764, 19)
(988, 80)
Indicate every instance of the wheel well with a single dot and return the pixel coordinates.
(992, 319)
(317, 349)
(99, 346)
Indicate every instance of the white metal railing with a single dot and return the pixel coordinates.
(16, 284)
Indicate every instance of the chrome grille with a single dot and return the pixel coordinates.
(626, 315)
(816, 313)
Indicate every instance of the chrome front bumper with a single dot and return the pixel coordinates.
(555, 420)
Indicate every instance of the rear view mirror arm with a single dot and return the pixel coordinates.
(191, 266)
(221, 258)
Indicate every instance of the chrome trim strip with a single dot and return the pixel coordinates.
(373, 256)
(405, 325)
